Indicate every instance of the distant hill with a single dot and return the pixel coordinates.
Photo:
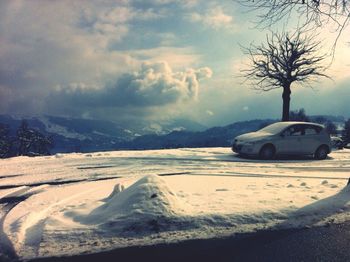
(71, 135)
(87, 135)
(212, 137)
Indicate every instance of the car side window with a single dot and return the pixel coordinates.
(296, 130)
(310, 130)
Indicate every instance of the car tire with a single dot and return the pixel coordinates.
(267, 152)
(321, 153)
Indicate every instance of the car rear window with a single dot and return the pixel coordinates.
(312, 130)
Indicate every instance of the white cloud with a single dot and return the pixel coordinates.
(209, 112)
(214, 18)
(155, 84)
(111, 24)
(167, 39)
(177, 57)
(150, 14)
(46, 44)
(188, 3)
(181, 3)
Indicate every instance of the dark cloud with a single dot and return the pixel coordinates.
(154, 85)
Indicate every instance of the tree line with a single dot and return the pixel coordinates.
(26, 142)
(300, 115)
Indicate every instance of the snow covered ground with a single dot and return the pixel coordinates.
(82, 203)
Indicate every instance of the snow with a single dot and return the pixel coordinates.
(81, 203)
(99, 133)
(61, 130)
(148, 198)
(12, 192)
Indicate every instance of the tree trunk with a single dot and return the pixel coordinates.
(286, 102)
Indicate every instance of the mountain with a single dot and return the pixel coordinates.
(71, 135)
(216, 136)
(168, 126)
(87, 135)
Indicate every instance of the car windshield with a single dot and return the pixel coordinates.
(274, 128)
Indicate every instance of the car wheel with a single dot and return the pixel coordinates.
(321, 153)
(267, 152)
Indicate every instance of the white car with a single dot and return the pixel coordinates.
(285, 138)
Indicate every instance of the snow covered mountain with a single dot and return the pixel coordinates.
(212, 137)
(88, 135)
(73, 135)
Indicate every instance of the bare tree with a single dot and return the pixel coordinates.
(299, 115)
(310, 12)
(283, 60)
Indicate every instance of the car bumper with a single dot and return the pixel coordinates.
(244, 149)
(236, 148)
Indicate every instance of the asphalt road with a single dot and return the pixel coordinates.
(330, 243)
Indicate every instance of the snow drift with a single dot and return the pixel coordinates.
(148, 201)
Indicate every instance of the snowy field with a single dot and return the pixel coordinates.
(81, 203)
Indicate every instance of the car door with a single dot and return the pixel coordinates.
(290, 140)
(311, 139)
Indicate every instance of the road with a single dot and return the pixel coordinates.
(315, 244)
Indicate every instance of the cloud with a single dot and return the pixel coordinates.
(214, 18)
(111, 24)
(156, 84)
(209, 112)
(153, 85)
(60, 46)
(177, 57)
(51, 46)
(181, 3)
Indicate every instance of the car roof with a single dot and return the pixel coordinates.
(290, 123)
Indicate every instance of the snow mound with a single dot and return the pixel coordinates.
(117, 189)
(148, 198)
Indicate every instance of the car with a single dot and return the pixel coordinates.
(285, 138)
(337, 142)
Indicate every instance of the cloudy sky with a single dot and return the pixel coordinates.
(145, 59)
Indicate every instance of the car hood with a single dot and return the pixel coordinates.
(253, 136)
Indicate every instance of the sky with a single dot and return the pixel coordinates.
(147, 60)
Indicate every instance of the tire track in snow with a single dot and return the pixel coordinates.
(10, 176)
(267, 176)
(7, 251)
(228, 158)
(30, 232)
(10, 201)
(63, 182)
